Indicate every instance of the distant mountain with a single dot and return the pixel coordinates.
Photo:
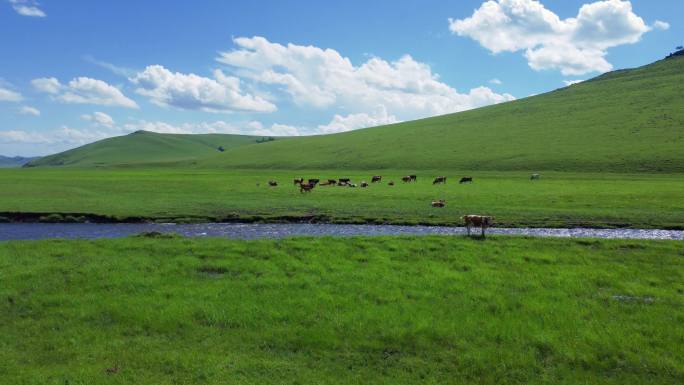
(15, 161)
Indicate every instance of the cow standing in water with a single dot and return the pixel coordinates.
(478, 221)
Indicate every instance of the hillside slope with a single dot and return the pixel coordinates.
(624, 121)
(144, 147)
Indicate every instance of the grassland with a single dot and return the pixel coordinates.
(432, 310)
(167, 194)
(145, 148)
(625, 121)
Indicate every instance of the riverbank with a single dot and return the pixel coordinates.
(558, 200)
(399, 310)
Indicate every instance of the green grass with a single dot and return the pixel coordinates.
(557, 200)
(626, 121)
(430, 310)
(145, 148)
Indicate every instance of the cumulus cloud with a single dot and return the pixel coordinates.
(193, 92)
(28, 110)
(571, 82)
(99, 118)
(84, 90)
(661, 25)
(575, 46)
(7, 95)
(27, 8)
(350, 122)
(322, 78)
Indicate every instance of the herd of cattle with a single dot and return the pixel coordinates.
(481, 221)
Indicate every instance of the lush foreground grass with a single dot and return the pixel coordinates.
(328, 311)
(558, 199)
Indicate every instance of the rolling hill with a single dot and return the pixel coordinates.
(623, 121)
(145, 148)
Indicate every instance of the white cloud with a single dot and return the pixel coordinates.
(661, 25)
(496, 81)
(47, 85)
(27, 8)
(19, 136)
(355, 121)
(322, 78)
(571, 82)
(9, 95)
(193, 92)
(28, 110)
(99, 118)
(575, 46)
(83, 90)
(115, 69)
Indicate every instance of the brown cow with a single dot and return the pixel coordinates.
(439, 179)
(376, 178)
(406, 179)
(439, 203)
(272, 183)
(466, 179)
(306, 187)
(478, 220)
(298, 181)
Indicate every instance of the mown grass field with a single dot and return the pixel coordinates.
(558, 199)
(428, 310)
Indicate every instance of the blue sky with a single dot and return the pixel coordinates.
(78, 71)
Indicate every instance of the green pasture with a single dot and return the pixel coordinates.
(186, 194)
(426, 310)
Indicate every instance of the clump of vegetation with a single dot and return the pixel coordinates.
(265, 139)
(157, 235)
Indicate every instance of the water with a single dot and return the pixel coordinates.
(33, 231)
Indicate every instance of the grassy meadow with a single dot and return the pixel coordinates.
(429, 310)
(186, 194)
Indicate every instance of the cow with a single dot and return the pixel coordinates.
(314, 181)
(342, 184)
(439, 179)
(332, 181)
(391, 183)
(439, 203)
(344, 180)
(481, 221)
(364, 184)
(414, 178)
(352, 185)
(466, 179)
(376, 178)
(406, 179)
(535, 177)
(298, 181)
(306, 187)
(272, 183)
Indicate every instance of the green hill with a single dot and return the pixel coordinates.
(624, 121)
(146, 148)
